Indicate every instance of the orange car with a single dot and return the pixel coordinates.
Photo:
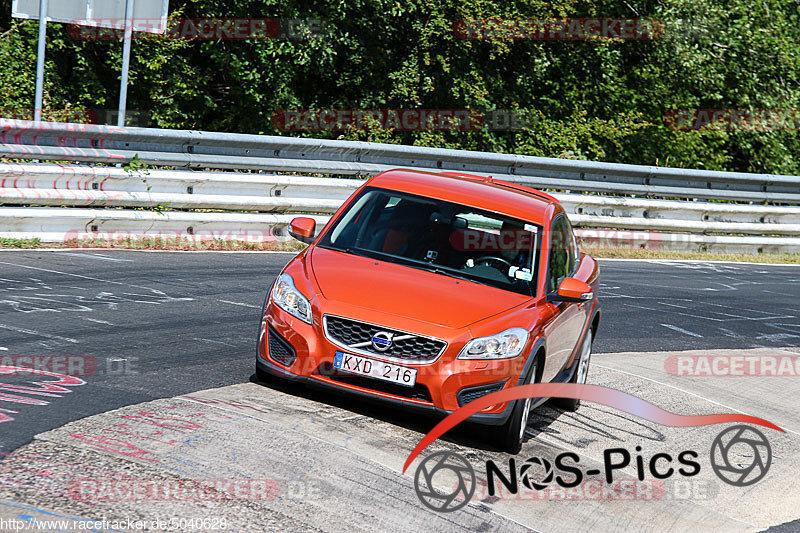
(430, 290)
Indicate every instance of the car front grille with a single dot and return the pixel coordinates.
(357, 336)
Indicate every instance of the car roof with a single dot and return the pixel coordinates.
(511, 199)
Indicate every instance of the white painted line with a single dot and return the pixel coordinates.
(132, 250)
(38, 333)
(80, 276)
(240, 304)
(68, 274)
(213, 251)
(697, 261)
(793, 350)
(213, 341)
(685, 392)
(3, 349)
(775, 337)
(99, 257)
(681, 330)
(96, 321)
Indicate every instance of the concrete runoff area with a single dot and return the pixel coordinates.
(170, 408)
(309, 460)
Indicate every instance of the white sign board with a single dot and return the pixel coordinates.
(148, 15)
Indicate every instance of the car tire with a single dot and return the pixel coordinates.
(580, 374)
(512, 433)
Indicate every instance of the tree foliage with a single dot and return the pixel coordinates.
(602, 99)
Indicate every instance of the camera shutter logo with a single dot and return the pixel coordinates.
(452, 465)
(527, 475)
(746, 442)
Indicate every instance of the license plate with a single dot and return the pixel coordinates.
(364, 366)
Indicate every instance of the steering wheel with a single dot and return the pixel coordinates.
(488, 258)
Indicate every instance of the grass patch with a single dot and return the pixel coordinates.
(637, 253)
(20, 243)
(184, 244)
(154, 243)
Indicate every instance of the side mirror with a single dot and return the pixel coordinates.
(303, 229)
(571, 290)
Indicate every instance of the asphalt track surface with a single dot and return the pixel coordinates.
(162, 325)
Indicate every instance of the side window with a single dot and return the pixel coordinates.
(574, 252)
(561, 259)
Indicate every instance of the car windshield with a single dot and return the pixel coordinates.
(438, 236)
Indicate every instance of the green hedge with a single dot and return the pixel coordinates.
(601, 99)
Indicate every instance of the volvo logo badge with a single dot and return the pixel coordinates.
(382, 341)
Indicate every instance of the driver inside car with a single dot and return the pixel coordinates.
(512, 245)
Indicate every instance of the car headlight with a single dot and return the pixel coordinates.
(504, 345)
(286, 296)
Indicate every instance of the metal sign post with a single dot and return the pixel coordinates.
(140, 15)
(126, 62)
(37, 107)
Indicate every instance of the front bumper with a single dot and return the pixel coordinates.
(492, 419)
(446, 381)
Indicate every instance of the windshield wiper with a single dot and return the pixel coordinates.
(349, 250)
(374, 254)
(438, 270)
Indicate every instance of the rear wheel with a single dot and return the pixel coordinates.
(512, 432)
(580, 374)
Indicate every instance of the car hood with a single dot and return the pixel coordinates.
(407, 292)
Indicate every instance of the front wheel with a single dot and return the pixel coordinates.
(580, 374)
(512, 432)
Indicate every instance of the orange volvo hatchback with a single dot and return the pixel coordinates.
(430, 290)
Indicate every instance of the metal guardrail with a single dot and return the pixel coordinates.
(197, 149)
(57, 225)
(688, 224)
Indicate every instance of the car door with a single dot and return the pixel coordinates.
(584, 307)
(564, 328)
